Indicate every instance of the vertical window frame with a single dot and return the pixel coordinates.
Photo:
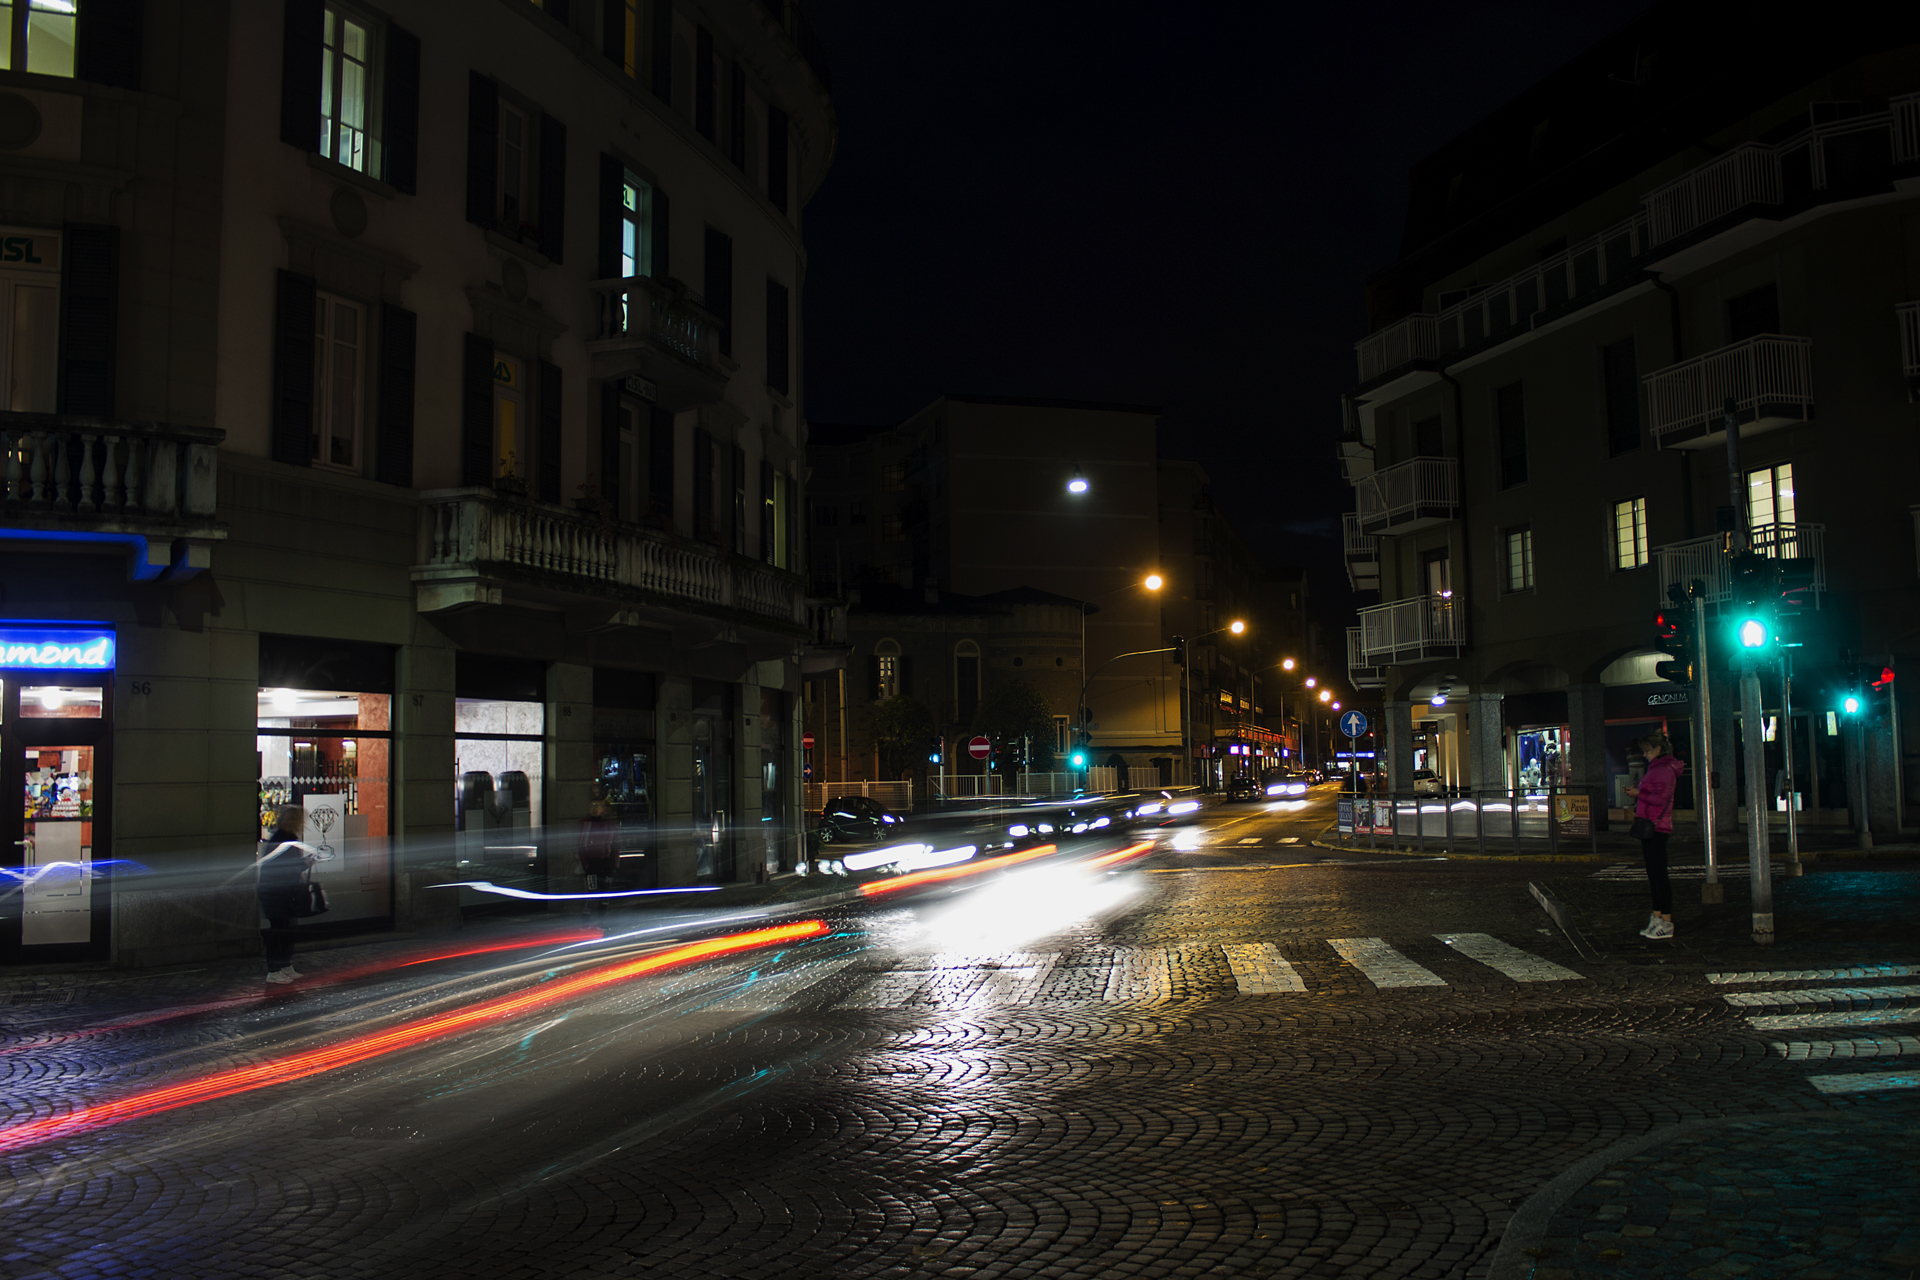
(1630, 550)
(1518, 574)
(332, 84)
(325, 383)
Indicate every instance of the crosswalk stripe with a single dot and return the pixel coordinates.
(762, 991)
(1866, 1082)
(1144, 974)
(1817, 975)
(1382, 965)
(1816, 1050)
(1834, 1018)
(1519, 965)
(1259, 969)
(1818, 995)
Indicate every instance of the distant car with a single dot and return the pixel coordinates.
(1245, 787)
(1427, 783)
(857, 820)
(1287, 785)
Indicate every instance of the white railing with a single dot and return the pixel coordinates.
(897, 796)
(1362, 554)
(1747, 175)
(1709, 560)
(640, 307)
(1549, 285)
(108, 471)
(467, 528)
(1360, 669)
(1905, 111)
(1909, 313)
(1770, 372)
(1813, 140)
(1401, 342)
(1406, 490)
(1407, 630)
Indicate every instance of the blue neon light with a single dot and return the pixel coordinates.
(43, 649)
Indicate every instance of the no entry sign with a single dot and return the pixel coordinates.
(979, 748)
(806, 742)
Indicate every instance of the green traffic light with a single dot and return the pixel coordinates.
(1079, 760)
(1753, 634)
(1850, 705)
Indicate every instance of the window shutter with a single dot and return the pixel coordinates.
(553, 188)
(613, 176)
(737, 540)
(293, 369)
(660, 464)
(873, 677)
(906, 675)
(610, 415)
(483, 141)
(737, 117)
(661, 220)
(400, 131)
(767, 511)
(662, 50)
(703, 526)
(613, 32)
(395, 458)
(90, 319)
(718, 279)
(107, 43)
(560, 11)
(703, 86)
(548, 479)
(476, 412)
(300, 49)
(777, 357)
(777, 158)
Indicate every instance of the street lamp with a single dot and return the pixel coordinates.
(1077, 483)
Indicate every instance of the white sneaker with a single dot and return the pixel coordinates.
(1660, 929)
(287, 974)
(1653, 922)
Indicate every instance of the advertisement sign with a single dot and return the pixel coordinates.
(1346, 817)
(56, 649)
(1574, 815)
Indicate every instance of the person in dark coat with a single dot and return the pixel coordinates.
(283, 865)
(1653, 800)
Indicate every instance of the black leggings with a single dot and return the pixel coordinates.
(1654, 849)
(278, 936)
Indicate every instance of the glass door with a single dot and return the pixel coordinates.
(54, 904)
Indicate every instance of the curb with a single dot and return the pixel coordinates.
(1592, 859)
(1527, 1228)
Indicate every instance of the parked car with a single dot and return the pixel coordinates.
(1245, 787)
(1427, 783)
(857, 820)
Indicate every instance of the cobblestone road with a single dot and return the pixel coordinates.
(1239, 1058)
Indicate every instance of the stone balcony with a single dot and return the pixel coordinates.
(661, 339)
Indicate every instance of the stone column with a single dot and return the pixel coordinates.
(1487, 750)
(421, 799)
(570, 768)
(673, 836)
(1399, 746)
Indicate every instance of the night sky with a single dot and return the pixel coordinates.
(1145, 204)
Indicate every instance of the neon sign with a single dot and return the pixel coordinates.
(49, 650)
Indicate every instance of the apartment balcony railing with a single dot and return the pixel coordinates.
(1769, 378)
(1362, 553)
(1709, 560)
(1747, 175)
(1547, 288)
(662, 334)
(1413, 630)
(1400, 343)
(1360, 670)
(1409, 495)
(1909, 316)
(476, 543)
(147, 486)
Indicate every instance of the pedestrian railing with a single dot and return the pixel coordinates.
(1475, 821)
(897, 796)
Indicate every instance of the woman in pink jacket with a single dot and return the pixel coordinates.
(1653, 800)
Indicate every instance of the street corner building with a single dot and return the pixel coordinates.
(405, 422)
(1694, 214)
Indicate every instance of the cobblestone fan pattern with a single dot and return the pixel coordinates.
(1101, 1100)
(1816, 1199)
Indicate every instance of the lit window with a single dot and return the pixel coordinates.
(29, 318)
(514, 134)
(1520, 560)
(346, 80)
(339, 337)
(509, 416)
(889, 676)
(42, 42)
(1770, 496)
(1630, 533)
(636, 228)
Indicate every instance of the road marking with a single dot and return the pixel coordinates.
(1260, 970)
(1817, 975)
(1143, 974)
(1289, 839)
(1866, 1082)
(1250, 840)
(1384, 966)
(1836, 1018)
(1519, 965)
(762, 991)
(1813, 1050)
(1818, 995)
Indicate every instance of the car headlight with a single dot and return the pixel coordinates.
(1017, 830)
(1297, 789)
(1100, 822)
(1275, 789)
(1046, 828)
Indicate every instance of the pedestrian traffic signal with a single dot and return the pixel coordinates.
(1673, 636)
(1756, 595)
(1078, 760)
(1853, 697)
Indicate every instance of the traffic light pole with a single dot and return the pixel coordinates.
(1759, 854)
(1786, 730)
(1712, 891)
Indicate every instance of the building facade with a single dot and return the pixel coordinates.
(409, 396)
(1538, 437)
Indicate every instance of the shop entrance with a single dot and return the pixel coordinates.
(57, 728)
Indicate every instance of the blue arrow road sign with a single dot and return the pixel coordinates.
(1353, 724)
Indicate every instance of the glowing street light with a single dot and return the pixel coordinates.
(1326, 695)
(1236, 626)
(1077, 483)
(1311, 682)
(1154, 582)
(1286, 664)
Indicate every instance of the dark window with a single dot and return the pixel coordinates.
(106, 43)
(777, 158)
(856, 513)
(662, 77)
(826, 517)
(89, 321)
(737, 116)
(660, 468)
(739, 504)
(704, 527)
(395, 448)
(1510, 424)
(704, 89)
(1753, 313)
(777, 354)
(1427, 439)
(719, 285)
(1620, 377)
(292, 368)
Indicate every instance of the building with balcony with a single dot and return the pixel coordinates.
(406, 423)
(1595, 283)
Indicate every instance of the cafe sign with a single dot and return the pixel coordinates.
(49, 649)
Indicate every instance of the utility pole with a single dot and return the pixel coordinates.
(1759, 852)
(1786, 731)
(1712, 891)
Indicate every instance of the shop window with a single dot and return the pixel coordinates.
(329, 752)
(60, 702)
(29, 317)
(499, 749)
(339, 340)
(714, 811)
(626, 763)
(1630, 533)
(775, 735)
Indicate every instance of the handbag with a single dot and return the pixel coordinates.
(312, 901)
(1642, 829)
